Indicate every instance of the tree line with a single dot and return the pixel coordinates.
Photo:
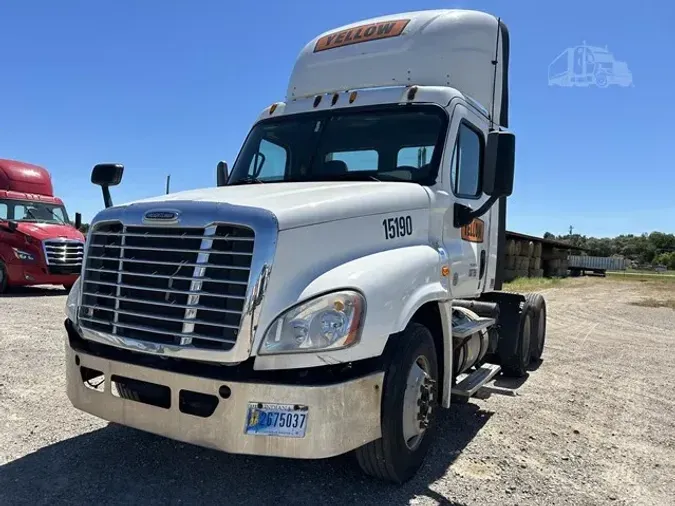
(655, 248)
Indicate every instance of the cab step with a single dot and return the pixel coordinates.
(469, 384)
(465, 329)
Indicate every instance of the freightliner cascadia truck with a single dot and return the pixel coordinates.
(342, 282)
(38, 243)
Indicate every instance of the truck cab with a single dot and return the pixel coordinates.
(38, 242)
(341, 283)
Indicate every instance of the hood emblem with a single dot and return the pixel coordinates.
(161, 216)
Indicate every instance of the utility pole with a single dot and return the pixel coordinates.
(168, 183)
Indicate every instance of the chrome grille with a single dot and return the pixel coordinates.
(179, 286)
(64, 256)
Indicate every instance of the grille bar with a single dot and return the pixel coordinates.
(166, 304)
(163, 317)
(163, 290)
(184, 236)
(185, 264)
(178, 278)
(178, 286)
(178, 250)
(143, 328)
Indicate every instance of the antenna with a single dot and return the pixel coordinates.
(494, 76)
(168, 183)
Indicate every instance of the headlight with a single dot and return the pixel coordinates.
(328, 322)
(23, 255)
(71, 302)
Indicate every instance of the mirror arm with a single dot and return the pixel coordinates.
(463, 215)
(107, 199)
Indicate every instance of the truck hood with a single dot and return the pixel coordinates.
(42, 231)
(308, 203)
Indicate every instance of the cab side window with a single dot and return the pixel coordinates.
(466, 163)
(4, 211)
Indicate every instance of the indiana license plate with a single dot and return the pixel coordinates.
(287, 420)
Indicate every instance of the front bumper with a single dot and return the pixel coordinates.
(341, 417)
(35, 273)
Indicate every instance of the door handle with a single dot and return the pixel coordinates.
(482, 265)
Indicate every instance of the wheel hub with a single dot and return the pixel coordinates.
(418, 402)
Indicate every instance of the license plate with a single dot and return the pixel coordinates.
(287, 420)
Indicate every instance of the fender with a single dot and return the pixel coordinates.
(395, 283)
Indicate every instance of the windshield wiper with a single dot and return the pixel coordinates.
(247, 180)
(55, 216)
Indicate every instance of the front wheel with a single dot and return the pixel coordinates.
(3, 278)
(408, 413)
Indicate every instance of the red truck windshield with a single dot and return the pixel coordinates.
(36, 212)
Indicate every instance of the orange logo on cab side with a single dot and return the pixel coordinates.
(473, 232)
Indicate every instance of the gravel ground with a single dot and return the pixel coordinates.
(594, 424)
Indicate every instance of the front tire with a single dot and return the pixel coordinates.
(408, 412)
(4, 281)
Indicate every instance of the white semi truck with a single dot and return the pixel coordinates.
(342, 282)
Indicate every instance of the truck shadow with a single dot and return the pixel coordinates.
(33, 291)
(123, 466)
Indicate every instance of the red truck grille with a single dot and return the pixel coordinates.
(64, 256)
(175, 286)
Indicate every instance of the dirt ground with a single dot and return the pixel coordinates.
(593, 424)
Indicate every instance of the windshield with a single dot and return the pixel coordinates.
(399, 143)
(36, 212)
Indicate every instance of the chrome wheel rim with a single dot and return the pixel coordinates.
(417, 402)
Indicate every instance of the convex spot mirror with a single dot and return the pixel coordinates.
(499, 166)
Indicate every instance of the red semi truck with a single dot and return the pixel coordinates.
(38, 243)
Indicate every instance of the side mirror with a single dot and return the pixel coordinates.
(499, 165)
(78, 221)
(222, 173)
(11, 226)
(106, 175)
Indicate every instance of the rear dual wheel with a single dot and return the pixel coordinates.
(538, 336)
(408, 409)
(527, 344)
(514, 353)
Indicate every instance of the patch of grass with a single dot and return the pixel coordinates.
(529, 284)
(652, 302)
(641, 277)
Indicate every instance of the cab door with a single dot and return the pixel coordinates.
(467, 246)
